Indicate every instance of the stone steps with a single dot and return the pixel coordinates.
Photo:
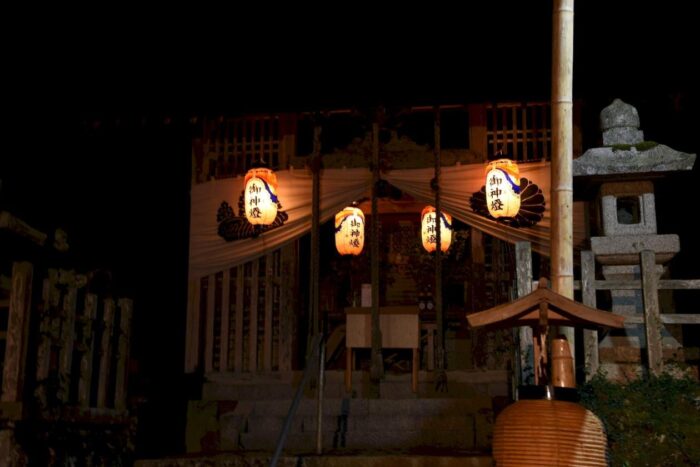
(417, 458)
(461, 418)
(362, 424)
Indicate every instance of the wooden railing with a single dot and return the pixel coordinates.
(246, 314)
(75, 378)
(652, 319)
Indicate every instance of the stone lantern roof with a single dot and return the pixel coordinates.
(625, 151)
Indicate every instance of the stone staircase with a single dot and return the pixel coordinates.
(245, 418)
(364, 424)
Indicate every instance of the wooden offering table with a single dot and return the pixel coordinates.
(400, 330)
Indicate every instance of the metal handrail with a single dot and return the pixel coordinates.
(281, 440)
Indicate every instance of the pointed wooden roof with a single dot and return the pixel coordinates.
(545, 307)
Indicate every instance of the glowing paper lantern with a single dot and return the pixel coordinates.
(260, 196)
(503, 188)
(350, 231)
(428, 230)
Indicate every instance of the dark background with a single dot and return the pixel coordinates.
(96, 124)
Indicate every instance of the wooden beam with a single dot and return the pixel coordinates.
(253, 317)
(65, 356)
(225, 316)
(377, 362)
(315, 265)
(523, 312)
(666, 318)
(209, 339)
(267, 336)
(437, 297)
(194, 287)
(21, 228)
(652, 320)
(17, 332)
(121, 378)
(590, 336)
(105, 353)
(87, 350)
(287, 308)
(523, 271)
(48, 327)
(240, 294)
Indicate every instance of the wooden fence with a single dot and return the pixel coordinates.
(241, 319)
(65, 358)
(652, 318)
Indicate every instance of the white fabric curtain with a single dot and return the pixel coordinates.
(209, 253)
(458, 183)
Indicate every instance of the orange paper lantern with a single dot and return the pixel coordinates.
(350, 231)
(428, 230)
(503, 188)
(260, 196)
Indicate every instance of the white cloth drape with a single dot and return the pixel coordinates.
(458, 183)
(209, 253)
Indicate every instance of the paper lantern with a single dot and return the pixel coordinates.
(350, 231)
(503, 188)
(260, 196)
(428, 230)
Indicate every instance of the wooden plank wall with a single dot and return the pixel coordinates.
(248, 315)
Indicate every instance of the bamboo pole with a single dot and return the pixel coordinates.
(562, 154)
(439, 317)
(377, 365)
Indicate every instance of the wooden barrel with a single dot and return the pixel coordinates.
(548, 433)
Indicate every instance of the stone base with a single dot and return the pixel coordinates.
(625, 249)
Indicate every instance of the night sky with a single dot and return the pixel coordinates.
(99, 133)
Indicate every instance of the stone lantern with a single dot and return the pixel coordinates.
(623, 171)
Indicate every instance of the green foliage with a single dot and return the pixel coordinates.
(651, 421)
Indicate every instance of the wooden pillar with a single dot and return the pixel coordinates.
(562, 253)
(126, 307)
(315, 235)
(240, 294)
(439, 312)
(253, 317)
(652, 317)
(192, 332)
(267, 335)
(526, 360)
(377, 365)
(105, 353)
(225, 317)
(49, 330)
(87, 348)
(17, 332)
(590, 337)
(65, 355)
(287, 305)
(209, 336)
